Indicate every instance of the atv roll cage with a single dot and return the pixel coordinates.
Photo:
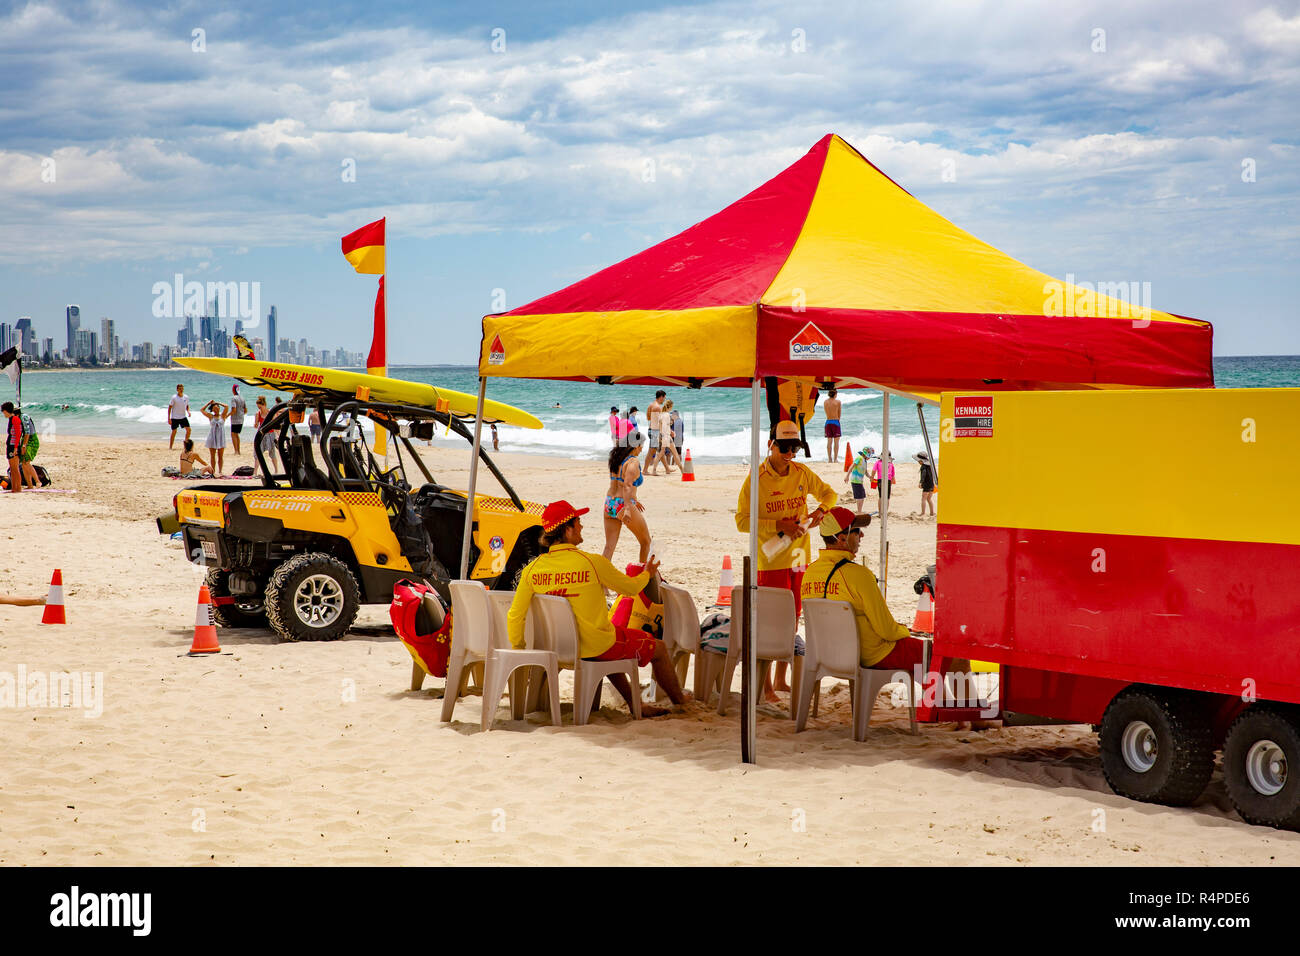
(349, 463)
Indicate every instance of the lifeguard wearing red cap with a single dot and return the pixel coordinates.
(839, 520)
(558, 512)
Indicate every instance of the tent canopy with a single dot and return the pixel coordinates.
(833, 271)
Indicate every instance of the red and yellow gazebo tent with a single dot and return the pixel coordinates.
(834, 272)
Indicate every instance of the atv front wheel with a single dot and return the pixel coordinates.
(312, 597)
(228, 610)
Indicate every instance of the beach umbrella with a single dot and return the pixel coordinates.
(833, 271)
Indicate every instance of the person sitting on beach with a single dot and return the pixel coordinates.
(837, 576)
(581, 578)
(189, 457)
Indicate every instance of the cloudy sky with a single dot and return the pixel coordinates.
(509, 145)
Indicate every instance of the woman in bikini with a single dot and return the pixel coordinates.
(621, 506)
(190, 458)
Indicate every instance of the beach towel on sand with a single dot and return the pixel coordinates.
(415, 611)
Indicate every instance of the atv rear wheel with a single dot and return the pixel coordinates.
(1261, 747)
(235, 613)
(312, 597)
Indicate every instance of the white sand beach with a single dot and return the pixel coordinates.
(317, 753)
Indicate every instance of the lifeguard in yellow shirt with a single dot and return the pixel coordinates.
(783, 489)
(581, 577)
(835, 575)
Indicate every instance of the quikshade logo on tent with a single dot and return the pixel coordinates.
(497, 353)
(811, 343)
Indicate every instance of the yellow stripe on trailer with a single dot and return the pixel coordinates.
(1228, 459)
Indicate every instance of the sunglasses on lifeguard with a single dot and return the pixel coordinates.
(787, 445)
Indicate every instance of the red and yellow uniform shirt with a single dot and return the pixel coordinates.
(581, 578)
(783, 496)
(877, 629)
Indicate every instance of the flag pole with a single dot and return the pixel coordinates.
(473, 480)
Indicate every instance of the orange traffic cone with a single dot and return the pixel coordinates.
(848, 457)
(205, 633)
(54, 613)
(724, 587)
(688, 469)
(924, 620)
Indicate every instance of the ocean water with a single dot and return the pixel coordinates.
(134, 404)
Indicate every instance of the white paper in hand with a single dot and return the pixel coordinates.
(774, 546)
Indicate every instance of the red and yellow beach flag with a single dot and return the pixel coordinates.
(365, 248)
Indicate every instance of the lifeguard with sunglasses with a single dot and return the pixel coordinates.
(783, 489)
(835, 575)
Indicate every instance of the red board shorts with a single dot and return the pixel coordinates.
(832, 429)
(786, 578)
(907, 654)
(629, 643)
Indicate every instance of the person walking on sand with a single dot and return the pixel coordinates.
(216, 413)
(783, 489)
(679, 432)
(832, 409)
(615, 424)
(881, 493)
(267, 443)
(856, 476)
(928, 484)
(621, 504)
(654, 453)
(581, 578)
(667, 443)
(13, 447)
(178, 414)
(238, 409)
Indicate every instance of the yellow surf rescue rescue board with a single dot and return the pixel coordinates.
(309, 380)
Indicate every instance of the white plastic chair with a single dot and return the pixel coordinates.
(475, 638)
(831, 650)
(509, 660)
(682, 634)
(557, 631)
(775, 623)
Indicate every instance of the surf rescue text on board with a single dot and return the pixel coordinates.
(973, 416)
(292, 375)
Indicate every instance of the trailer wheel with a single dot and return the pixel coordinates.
(1261, 746)
(312, 597)
(1156, 746)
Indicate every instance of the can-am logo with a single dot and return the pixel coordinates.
(811, 343)
(497, 353)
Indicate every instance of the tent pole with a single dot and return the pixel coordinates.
(925, 433)
(473, 480)
(749, 684)
(884, 492)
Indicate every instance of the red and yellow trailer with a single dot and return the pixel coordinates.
(1131, 559)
